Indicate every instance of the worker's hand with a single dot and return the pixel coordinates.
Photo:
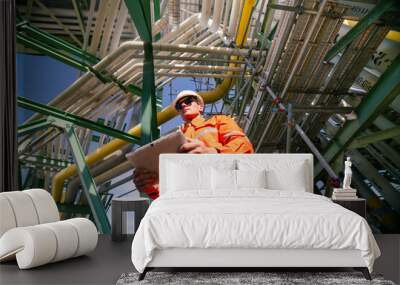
(146, 182)
(196, 146)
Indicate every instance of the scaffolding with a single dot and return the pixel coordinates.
(286, 71)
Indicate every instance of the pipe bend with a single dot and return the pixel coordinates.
(163, 116)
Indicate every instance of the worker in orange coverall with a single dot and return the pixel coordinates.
(219, 134)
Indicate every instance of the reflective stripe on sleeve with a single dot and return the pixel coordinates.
(234, 133)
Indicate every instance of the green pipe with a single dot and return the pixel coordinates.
(76, 120)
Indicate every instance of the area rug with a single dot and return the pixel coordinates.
(243, 278)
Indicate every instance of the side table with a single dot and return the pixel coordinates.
(119, 206)
(357, 205)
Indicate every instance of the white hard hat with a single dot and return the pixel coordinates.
(188, 93)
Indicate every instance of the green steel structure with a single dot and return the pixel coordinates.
(71, 118)
(41, 161)
(97, 209)
(66, 122)
(383, 93)
(96, 206)
(67, 53)
(364, 140)
(366, 21)
(334, 111)
(141, 16)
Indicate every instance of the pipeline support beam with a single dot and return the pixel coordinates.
(380, 96)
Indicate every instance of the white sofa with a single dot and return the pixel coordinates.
(31, 231)
(278, 221)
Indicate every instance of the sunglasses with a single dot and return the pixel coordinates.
(188, 101)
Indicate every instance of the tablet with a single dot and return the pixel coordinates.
(147, 156)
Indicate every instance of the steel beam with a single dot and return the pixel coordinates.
(366, 21)
(381, 95)
(157, 16)
(141, 16)
(44, 161)
(33, 127)
(56, 42)
(365, 140)
(388, 219)
(383, 123)
(395, 172)
(322, 109)
(389, 152)
(89, 186)
(52, 15)
(306, 139)
(368, 170)
(67, 53)
(76, 120)
(47, 50)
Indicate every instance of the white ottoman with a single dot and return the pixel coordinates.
(31, 232)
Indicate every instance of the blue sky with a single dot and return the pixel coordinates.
(41, 78)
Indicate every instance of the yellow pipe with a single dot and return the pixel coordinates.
(162, 117)
(392, 35)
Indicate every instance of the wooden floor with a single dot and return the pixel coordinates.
(111, 259)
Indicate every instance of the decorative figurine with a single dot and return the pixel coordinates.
(347, 175)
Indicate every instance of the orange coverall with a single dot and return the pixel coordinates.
(220, 132)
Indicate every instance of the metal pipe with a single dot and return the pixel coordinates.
(289, 128)
(228, 6)
(108, 163)
(210, 75)
(216, 20)
(174, 14)
(198, 67)
(128, 46)
(322, 109)
(306, 139)
(316, 152)
(191, 58)
(205, 12)
(163, 116)
(233, 18)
